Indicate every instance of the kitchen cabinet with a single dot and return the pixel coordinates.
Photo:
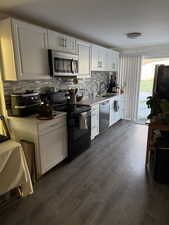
(94, 121)
(97, 58)
(122, 106)
(24, 50)
(61, 42)
(53, 145)
(83, 51)
(115, 61)
(115, 110)
(112, 60)
(49, 137)
(104, 59)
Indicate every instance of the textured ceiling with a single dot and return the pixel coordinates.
(105, 22)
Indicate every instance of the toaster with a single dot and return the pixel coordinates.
(25, 104)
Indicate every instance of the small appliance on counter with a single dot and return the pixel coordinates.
(112, 86)
(45, 112)
(25, 104)
(72, 95)
(4, 133)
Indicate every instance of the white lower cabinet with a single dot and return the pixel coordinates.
(115, 109)
(94, 121)
(53, 146)
(49, 137)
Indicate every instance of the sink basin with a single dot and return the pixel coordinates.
(109, 95)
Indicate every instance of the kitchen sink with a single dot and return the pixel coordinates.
(109, 95)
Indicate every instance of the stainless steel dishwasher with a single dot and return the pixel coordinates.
(104, 113)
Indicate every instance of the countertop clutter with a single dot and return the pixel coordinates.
(96, 100)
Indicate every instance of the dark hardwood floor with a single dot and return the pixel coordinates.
(106, 185)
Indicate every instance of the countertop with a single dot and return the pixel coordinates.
(96, 100)
(35, 119)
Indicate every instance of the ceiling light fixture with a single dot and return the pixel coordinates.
(133, 35)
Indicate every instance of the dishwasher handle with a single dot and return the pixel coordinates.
(105, 103)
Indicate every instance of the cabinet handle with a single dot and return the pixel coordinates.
(65, 42)
(62, 42)
(56, 124)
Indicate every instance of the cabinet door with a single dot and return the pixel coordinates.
(94, 121)
(97, 120)
(84, 59)
(117, 61)
(30, 44)
(114, 61)
(121, 103)
(111, 113)
(95, 57)
(61, 42)
(56, 40)
(70, 44)
(93, 124)
(53, 147)
(108, 59)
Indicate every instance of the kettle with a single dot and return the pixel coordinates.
(72, 95)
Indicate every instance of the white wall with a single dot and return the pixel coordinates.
(148, 51)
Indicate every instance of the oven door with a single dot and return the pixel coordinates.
(79, 132)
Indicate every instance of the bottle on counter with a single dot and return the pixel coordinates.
(112, 87)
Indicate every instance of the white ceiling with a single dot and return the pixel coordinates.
(103, 21)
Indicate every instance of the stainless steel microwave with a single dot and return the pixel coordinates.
(62, 64)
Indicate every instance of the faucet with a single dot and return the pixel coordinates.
(101, 86)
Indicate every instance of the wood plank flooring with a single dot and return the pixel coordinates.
(106, 185)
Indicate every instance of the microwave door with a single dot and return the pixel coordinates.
(62, 64)
(68, 66)
(74, 67)
(58, 65)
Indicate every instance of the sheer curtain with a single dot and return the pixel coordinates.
(129, 77)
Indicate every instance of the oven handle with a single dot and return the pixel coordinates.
(26, 106)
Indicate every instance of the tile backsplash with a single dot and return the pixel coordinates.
(94, 85)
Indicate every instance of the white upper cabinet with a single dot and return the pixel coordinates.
(24, 51)
(94, 57)
(104, 59)
(61, 42)
(114, 60)
(83, 51)
(98, 58)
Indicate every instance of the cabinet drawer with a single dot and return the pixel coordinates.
(47, 126)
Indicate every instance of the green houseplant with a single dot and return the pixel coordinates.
(159, 108)
(153, 103)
